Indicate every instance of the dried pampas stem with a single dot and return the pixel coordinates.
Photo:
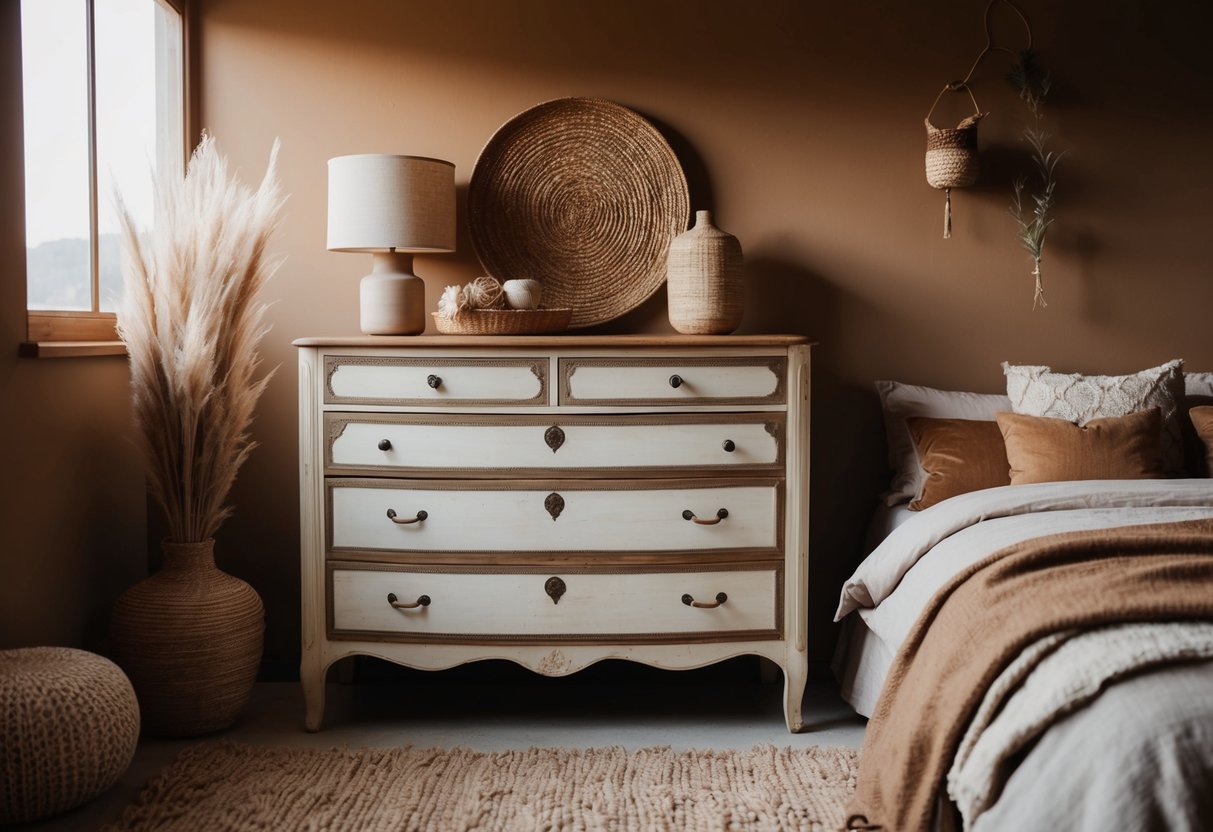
(192, 322)
(484, 293)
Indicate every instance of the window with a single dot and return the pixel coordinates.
(103, 108)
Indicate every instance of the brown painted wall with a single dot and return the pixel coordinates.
(800, 124)
(72, 517)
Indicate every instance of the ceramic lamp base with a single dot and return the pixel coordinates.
(392, 298)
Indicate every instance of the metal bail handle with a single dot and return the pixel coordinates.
(422, 601)
(720, 515)
(704, 605)
(404, 521)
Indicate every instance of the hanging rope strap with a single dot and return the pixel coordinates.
(990, 47)
(953, 86)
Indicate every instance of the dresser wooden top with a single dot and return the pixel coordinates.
(557, 341)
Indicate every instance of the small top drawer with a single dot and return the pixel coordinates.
(469, 382)
(672, 381)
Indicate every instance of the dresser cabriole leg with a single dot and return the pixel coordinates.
(311, 676)
(795, 675)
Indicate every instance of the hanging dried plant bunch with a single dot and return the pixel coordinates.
(192, 322)
(1030, 80)
(1032, 199)
(1034, 220)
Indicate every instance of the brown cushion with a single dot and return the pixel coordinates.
(1041, 449)
(1202, 420)
(958, 456)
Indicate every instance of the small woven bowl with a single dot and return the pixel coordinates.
(505, 322)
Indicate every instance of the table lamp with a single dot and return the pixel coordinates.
(394, 207)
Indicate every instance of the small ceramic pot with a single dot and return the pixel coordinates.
(522, 294)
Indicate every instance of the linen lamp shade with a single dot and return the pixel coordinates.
(392, 206)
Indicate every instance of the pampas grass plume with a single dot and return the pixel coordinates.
(192, 323)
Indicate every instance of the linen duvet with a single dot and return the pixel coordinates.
(1092, 707)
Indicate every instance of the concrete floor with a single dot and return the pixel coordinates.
(616, 704)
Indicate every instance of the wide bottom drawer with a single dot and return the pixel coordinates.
(732, 604)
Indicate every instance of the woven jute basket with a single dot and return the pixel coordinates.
(583, 195)
(505, 322)
(705, 280)
(952, 154)
(190, 638)
(69, 724)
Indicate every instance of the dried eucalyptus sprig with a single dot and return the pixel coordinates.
(1030, 80)
(1033, 85)
(1034, 224)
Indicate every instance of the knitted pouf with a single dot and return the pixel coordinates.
(69, 722)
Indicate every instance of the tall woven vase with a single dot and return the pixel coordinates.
(190, 639)
(704, 280)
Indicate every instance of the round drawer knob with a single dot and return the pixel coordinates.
(729, 446)
(675, 381)
(385, 444)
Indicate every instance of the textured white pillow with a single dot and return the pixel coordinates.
(901, 401)
(1198, 384)
(1038, 391)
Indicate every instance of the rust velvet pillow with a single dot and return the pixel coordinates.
(958, 456)
(1202, 420)
(1042, 449)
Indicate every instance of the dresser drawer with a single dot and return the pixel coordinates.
(554, 516)
(666, 381)
(576, 605)
(454, 445)
(435, 381)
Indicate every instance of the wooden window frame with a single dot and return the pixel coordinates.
(78, 333)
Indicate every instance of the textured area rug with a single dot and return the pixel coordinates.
(226, 786)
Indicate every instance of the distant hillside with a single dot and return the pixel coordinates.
(58, 274)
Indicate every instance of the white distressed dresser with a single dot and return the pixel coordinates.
(554, 501)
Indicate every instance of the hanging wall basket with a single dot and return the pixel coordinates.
(952, 154)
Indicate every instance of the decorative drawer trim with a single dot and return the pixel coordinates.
(682, 637)
(332, 363)
(777, 365)
(773, 422)
(556, 485)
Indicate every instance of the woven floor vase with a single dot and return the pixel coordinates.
(704, 280)
(190, 639)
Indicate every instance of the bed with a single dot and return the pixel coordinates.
(1084, 722)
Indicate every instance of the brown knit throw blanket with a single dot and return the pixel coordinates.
(978, 623)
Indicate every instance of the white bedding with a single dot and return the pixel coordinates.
(1055, 676)
(967, 528)
(922, 553)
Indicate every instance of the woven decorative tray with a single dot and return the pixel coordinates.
(583, 195)
(505, 322)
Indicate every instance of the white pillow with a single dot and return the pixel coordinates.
(901, 401)
(1038, 391)
(1198, 384)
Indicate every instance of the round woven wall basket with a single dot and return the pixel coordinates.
(583, 195)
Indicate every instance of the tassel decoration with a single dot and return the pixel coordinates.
(947, 213)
